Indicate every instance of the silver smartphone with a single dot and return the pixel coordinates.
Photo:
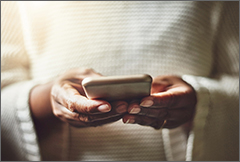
(112, 88)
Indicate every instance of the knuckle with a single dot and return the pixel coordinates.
(84, 107)
(70, 104)
(88, 108)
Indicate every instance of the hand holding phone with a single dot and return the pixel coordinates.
(70, 104)
(112, 88)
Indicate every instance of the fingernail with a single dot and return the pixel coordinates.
(147, 103)
(135, 110)
(130, 121)
(121, 108)
(104, 108)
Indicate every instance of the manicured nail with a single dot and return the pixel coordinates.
(147, 103)
(135, 110)
(130, 121)
(104, 108)
(121, 108)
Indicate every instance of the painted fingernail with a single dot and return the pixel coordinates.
(135, 110)
(121, 108)
(104, 108)
(147, 103)
(130, 121)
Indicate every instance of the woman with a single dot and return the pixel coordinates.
(189, 48)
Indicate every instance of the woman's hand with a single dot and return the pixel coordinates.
(172, 100)
(69, 103)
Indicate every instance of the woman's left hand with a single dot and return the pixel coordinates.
(172, 100)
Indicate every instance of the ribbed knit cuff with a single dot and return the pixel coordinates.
(26, 125)
(202, 110)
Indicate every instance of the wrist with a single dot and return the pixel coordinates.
(39, 101)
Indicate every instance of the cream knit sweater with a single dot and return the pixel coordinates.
(196, 40)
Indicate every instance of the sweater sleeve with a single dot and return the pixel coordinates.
(216, 124)
(18, 136)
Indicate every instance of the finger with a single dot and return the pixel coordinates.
(138, 119)
(62, 112)
(174, 118)
(143, 120)
(160, 85)
(106, 121)
(99, 117)
(147, 111)
(119, 106)
(115, 112)
(78, 87)
(70, 98)
(159, 100)
(80, 124)
(134, 107)
(173, 98)
(153, 122)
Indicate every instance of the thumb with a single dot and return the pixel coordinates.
(172, 98)
(86, 106)
(70, 98)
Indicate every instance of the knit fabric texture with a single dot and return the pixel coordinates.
(198, 41)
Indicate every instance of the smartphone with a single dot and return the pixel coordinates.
(110, 88)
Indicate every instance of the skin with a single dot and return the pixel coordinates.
(171, 99)
(64, 98)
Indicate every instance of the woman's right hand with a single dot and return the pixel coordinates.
(70, 104)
